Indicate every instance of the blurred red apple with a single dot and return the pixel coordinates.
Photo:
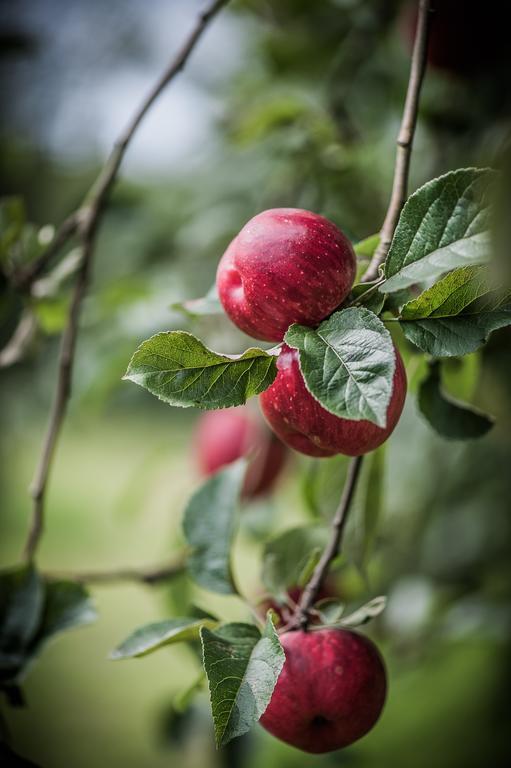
(225, 435)
(330, 692)
(302, 423)
(286, 266)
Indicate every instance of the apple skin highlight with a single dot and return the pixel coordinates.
(286, 266)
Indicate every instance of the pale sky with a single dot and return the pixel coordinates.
(95, 61)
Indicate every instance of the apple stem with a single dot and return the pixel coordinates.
(301, 616)
(404, 141)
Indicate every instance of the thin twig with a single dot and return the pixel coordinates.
(153, 575)
(399, 190)
(85, 224)
(24, 279)
(62, 395)
(332, 549)
(404, 141)
(21, 338)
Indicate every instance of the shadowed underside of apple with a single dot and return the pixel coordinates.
(302, 423)
(330, 692)
(286, 266)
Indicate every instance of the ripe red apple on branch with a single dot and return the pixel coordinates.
(330, 692)
(286, 266)
(226, 435)
(302, 423)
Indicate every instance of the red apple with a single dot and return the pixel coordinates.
(330, 692)
(225, 435)
(285, 266)
(301, 422)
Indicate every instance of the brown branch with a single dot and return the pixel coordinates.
(332, 549)
(62, 395)
(85, 223)
(399, 191)
(153, 575)
(404, 141)
(24, 279)
(21, 338)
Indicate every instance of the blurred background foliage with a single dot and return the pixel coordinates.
(286, 103)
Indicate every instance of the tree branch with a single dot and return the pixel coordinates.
(404, 141)
(24, 279)
(22, 337)
(399, 191)
(84, 222)
(332, 549)
(154, 575)
(62, 395)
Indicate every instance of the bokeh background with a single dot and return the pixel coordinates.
(285, 103)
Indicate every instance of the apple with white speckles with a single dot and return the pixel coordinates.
(302, 423)
(286, 266)
(331, 690)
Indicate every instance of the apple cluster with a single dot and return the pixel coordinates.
(287, 266)
(292, 266)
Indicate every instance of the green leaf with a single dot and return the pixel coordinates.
(242, 669)
(51, 314)
(21, 609)
(12, 220)
(309, 567)
(467, 290)
(455, 336)
(368, 296)
(67, 606)
(11, 759)
(209, 528)
(365, 613)
(322, 483)
(207, 305)
(33, 611)
(330, 610)
(309, 488)
(30, 244)
(150, 637)
(348, 364)
(450, 418)
(444, 225)
(373, 500)
(180, 370)
(288, 555)
(367, 246)
(460, 375)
